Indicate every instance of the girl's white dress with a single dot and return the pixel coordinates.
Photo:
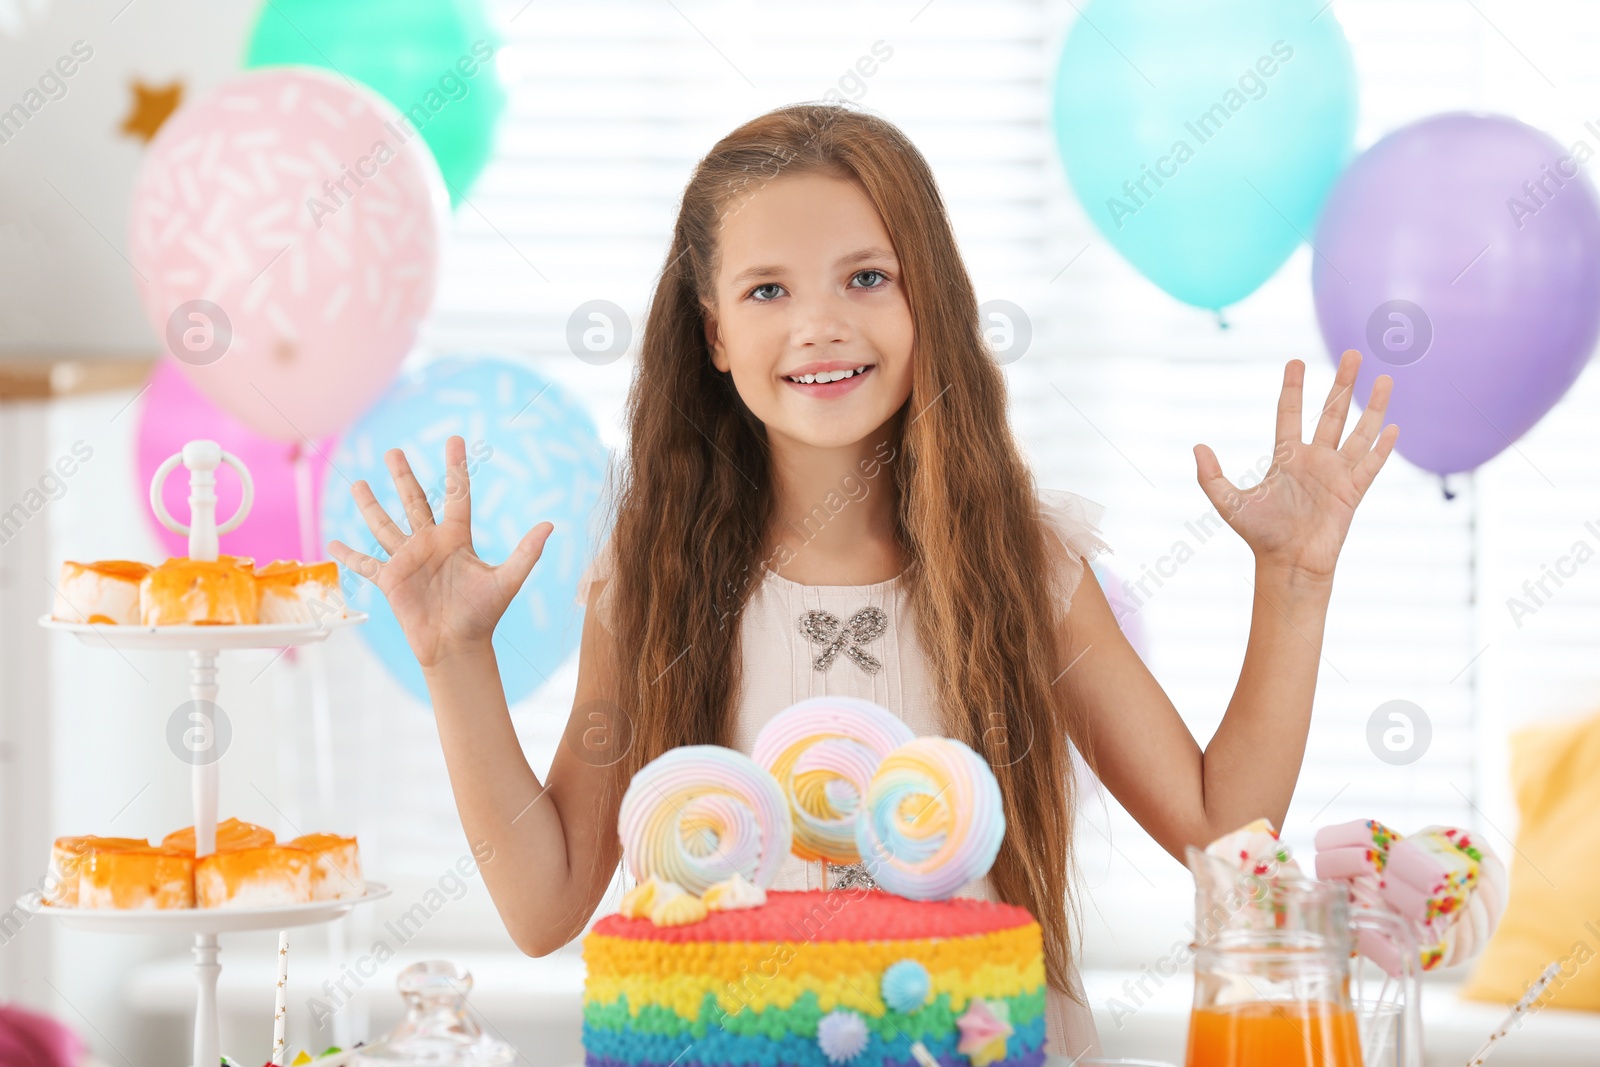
(780, 668)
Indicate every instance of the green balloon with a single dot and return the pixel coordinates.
(434, 60)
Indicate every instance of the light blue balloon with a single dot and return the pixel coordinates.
(533, 454)
(1202, 138)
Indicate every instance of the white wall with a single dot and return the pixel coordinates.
(64, 179)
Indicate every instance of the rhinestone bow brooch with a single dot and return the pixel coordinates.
(824, 628)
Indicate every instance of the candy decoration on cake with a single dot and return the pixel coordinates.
(906, 986)
(1450, 887)
(842, 1035)
(697, 814)
(674, 907)
(984, 1026)
(734, 893)
(823, 752)
(932, 820)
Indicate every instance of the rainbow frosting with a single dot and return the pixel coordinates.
(849, 976)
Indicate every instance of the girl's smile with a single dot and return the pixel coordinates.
(827, 379)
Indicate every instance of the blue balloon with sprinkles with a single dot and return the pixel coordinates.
(533, 455)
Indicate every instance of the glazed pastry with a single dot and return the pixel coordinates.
(335, 866)
(231, 834)
(137, 877)
(104, 592)
(66, 865)
(199, 593)
(290, 591)
(266, 877)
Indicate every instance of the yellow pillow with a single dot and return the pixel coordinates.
(1554, 912)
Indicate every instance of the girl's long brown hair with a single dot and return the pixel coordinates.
(694, 504)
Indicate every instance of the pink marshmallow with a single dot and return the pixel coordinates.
(1450, 888)
(1360, 833)
(1428, 878)
(1349, 862)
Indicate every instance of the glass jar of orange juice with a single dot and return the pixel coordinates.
(1272, 971)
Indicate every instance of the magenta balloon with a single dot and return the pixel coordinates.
(175, 413)
(29, 1039)
(1461, 255)
(284, 234)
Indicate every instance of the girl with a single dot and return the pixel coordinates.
(822, 495)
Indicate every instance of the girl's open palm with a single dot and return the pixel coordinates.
(1297, 516)
(443, 595)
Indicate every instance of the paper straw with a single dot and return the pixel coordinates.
(281, 1012)
(1517, 1012)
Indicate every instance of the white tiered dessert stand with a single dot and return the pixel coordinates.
(202, 458)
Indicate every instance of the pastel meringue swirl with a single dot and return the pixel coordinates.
(698, 814)
(932, 821)
(823, 752)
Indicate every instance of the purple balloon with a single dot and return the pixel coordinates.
(1461, 255)
(1126, 613)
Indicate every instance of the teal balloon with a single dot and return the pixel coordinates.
(533, 454)
(1203, 138)
(434, 60)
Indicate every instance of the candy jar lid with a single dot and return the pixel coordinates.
(437, 1031)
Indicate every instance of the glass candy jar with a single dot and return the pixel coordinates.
(437, 1031)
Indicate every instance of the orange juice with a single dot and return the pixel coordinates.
(1261, 1034)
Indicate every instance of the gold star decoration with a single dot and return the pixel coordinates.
(150, 107)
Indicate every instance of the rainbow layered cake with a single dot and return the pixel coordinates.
(770, 984)
(704, 966)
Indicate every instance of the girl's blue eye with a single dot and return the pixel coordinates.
(883, 280)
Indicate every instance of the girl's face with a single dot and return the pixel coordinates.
(808, 284)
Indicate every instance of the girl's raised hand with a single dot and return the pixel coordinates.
(445, 598)
(1297, 516)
